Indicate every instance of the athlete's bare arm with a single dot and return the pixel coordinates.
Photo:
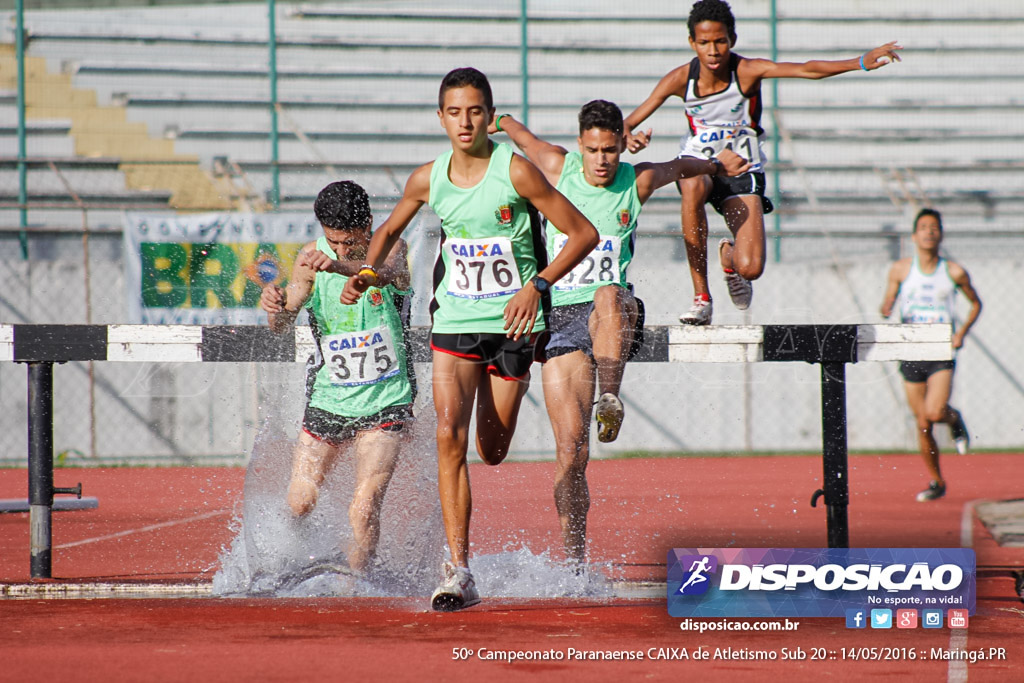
(547, 157)
(530, 183)
(963, 282)
(416, 194)
(283, 304)
(750, 71)
(392, 271)
(651, 176)
(672, 83)
(897, 274)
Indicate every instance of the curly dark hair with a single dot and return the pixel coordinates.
(712, 10)
(343, 205)
(462, 77)
(600, 114)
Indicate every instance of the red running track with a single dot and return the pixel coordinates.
(170, 524)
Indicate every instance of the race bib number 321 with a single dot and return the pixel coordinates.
(481, 269)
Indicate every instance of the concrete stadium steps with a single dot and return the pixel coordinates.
(359, 81)
(104, 131)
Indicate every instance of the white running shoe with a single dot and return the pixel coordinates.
(609, 417)
(699, 313)
(457, 590)
(740, 289)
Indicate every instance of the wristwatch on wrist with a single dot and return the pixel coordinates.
(540, 284)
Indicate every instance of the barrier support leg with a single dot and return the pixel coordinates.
(40, 466)
(833, 431)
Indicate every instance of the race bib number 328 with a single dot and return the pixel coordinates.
(481, 269)
(600, 267)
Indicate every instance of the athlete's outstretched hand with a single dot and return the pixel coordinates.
(272, 299)
(521, 312)
(732, 163)
(638, 140)
(316, 261)
(354, 288)
(882, 55)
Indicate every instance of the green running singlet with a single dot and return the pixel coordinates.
(491, 245)
(360, 363)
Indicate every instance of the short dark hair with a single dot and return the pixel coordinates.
(462, 77)
(601, 114)
(343, 205)
(927, 212)
(712, 10)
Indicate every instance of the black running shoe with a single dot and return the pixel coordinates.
(961, 438)
(934, 491)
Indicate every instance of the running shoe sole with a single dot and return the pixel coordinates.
(609, 414)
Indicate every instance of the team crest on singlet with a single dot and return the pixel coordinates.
(624, 218)
(376, 298)
(504, 215)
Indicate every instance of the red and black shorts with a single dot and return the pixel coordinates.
(503, 356)
(336, 429)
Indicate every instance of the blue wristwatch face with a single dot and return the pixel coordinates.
(541, 284)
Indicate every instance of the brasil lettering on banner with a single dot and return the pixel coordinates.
(816, 582)
(208, 269)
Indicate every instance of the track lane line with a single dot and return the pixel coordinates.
(151, 527)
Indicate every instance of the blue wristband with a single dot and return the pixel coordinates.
(862, 67)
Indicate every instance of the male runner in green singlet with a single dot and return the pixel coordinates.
(489, 280)
(596, 323)
(359, 382)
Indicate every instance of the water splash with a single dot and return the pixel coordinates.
(275, 553)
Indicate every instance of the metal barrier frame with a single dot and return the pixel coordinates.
(831, 346)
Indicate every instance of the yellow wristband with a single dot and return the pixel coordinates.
(369, 270)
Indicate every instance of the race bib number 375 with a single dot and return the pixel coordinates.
(363, 357)
(481, 269)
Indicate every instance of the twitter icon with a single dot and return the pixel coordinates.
(881, 618)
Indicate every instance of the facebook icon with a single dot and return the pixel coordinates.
(856, 618)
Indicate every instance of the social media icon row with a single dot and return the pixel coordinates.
(905, 618)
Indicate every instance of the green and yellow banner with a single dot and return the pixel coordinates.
(208, 269)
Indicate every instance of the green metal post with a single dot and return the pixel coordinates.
(776, 194)
(22, 167)
(524, 62)
(275, 169)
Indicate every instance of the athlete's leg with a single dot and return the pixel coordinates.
(745, 218)
(569, 395)
(497, 411)
(455, 382)
(611, 330)
(311, 459)
(695, 192)
(939, 389)
(376, 454)
(936, 409)
(916, 392)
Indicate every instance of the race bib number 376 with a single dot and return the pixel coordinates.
(481, 269)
